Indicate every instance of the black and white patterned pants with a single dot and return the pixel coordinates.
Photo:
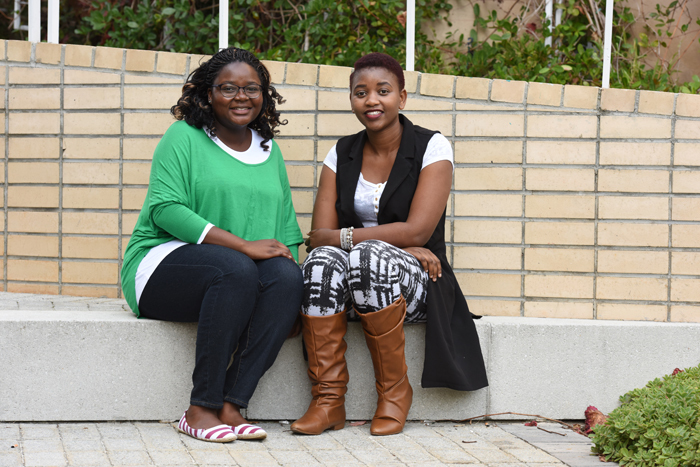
(370, 277)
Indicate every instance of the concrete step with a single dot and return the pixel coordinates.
(63, 365)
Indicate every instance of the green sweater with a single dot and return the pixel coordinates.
(193, 183)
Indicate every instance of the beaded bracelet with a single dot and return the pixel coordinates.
(346, 238)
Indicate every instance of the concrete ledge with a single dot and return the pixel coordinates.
(107, 365)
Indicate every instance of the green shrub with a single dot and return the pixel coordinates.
(657, 425)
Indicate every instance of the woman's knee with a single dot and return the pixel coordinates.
(323, 261)
(369, 258)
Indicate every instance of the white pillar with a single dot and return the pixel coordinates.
(223, 24)
(17, 21)
(410, 35)
(548, 9)
(34, 20)
(607, 43)
(52, 30)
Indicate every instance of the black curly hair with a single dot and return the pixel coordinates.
(193, 106)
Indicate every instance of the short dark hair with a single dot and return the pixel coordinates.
(194, 108)
(379, 60)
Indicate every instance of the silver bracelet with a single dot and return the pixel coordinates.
(350, 244)
(343, 239)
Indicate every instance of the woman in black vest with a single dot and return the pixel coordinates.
(377, 249)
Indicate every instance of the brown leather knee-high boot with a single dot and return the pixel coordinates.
(328, 372)
(385, 339)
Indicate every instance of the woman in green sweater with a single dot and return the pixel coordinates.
(217, 239)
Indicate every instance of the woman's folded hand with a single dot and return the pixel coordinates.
(431, 263)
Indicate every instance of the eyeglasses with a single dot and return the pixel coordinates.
(230, 91)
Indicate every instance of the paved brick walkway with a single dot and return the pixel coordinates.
(159, 444)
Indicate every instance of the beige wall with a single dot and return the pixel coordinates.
(567, 201)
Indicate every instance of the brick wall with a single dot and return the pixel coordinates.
(568, 201)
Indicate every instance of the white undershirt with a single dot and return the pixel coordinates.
(368, 194)
(253, 155)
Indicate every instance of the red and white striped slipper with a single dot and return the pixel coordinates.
(247, 431)
(217, 434)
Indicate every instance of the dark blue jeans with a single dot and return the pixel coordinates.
(244, 308)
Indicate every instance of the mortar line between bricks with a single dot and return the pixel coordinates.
(6, 112)
(60, 173)
(120, 213)
(523, 201)
(670, 211)
(596, 206)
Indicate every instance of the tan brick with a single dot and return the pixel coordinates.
(333, 76)
(572, 310)
(151, 79)
(172, 63)
(147, 123)
(91, 173)
(436, 85)
(197, 60)
(90, 273)
(544, 94)
(303, 201)
(78, 55)
(558, 286)
(303, 99)
(32, 172)
(617, 100)
(555, 152)
(488, 205)
(32, 98)
(686, 182)
(688, 105)
(686, 209)
(90, 291)
(151, 98)
(422, 103)
(2, 72)
(631, 312)
(472, 88)
(503, 152)
(632, 288)
(635, 181)
(301, 73)
(108, 57)
(2, 101)
(140, 60)
(133, 198)
(136, 173)
(139, 148)
(48, 53)
(129, 222)
(573, 207)
(32, 245)
(560, 179)
(91, 197)
(328, 124)
(328, 100)
(508, 91)
(581, 97)
(561, 126)
(617, 234)
(101, 223)
(21, 75)
(559, 233)
(90, 77)
(559, 259)
(88, 123)
(32, 222)
(34, 123)
(411, 81)
(476, 257)
(629, 153)
(19, 51)
(685, 263)
(632, 207)
(686, 129)
(300, 175)
(488, 178)
(490, 125)
(489, 285)
(296, 149)
(656, 102)
(32, 196)
(686, 154)
(276, 70)
(323, 147)
(685, 290)
(92, 98)
(32, 287)
(90, 247)
(91, 148)
(494, 307)
(685, 314)
(32, 270)
(635, 127)
(487, 231)
(685, 236)
(437, 122)
(633, 262)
